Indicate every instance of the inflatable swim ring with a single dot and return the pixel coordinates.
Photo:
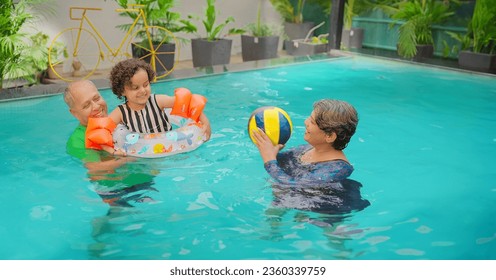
(187, 137)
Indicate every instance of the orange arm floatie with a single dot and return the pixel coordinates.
(188, 105)
(181, 104)
(196, 106)
(99, 132)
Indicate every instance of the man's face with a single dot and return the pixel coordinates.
(88, 103)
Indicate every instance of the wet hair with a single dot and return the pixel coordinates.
(338, 117)
(123, 71)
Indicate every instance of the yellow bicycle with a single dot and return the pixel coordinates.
(154, 44)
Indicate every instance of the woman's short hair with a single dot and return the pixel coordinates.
(123, 71)
(336, 116)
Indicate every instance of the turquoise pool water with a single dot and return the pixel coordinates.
(424, 152)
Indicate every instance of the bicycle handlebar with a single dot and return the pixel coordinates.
(81, 8)
(127, 10)
(131, 8)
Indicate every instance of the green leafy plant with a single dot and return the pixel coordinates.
(12, 42)
(157, 13)
(353, 8)
(417, 18)
(37, 54)
(58, 52)
(294, 12)
(212, 30)
(20, 54)
(320, 39)
(481, 31)
(259, 29)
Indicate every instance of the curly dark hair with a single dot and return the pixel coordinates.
(338, 117)
(123, 71)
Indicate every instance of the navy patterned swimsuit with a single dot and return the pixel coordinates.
(288, 169)
(321, 187)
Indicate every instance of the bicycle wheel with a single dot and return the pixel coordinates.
(158, 47)
(82, 57)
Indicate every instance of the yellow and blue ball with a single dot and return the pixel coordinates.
(274, 121)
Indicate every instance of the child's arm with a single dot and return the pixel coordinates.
(206, 126)
(108, 149)
(116, 116)
(165, 101)
(112, 151)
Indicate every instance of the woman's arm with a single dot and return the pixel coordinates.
(311, 175)
(268, 151)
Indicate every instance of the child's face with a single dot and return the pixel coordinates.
(138, 90)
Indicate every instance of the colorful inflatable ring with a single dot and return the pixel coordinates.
(187, 137)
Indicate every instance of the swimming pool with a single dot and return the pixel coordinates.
(424, 152)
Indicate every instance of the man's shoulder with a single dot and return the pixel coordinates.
(76, 140)
(76, 147)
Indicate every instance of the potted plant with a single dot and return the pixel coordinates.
(295, 25)
(211, 49)
(20, 58)
(352, 37)
(479, 43)
(417, 17)
(310, 44)
(56, 53)
(261, 42)
(157, 13)
(37, 56)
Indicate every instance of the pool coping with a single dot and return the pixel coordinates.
(47, 90)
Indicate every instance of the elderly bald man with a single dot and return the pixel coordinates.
(84, 101)
(130, 186)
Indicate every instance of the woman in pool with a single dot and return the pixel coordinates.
(329, 128)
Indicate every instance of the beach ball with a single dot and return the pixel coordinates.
(274, 121)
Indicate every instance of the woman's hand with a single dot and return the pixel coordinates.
(267, 150)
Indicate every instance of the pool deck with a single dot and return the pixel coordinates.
(185, 69)
(182, 70)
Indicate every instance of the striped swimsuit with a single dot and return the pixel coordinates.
(150, 119)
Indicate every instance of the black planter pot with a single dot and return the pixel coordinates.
(352, 38)
(165, 57)
(481, 62)
(256, 48)
(208, 53)
(424, 52)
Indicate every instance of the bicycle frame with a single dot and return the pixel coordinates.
(85, 42)
(84, 18)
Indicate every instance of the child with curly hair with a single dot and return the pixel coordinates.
(142, 111)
